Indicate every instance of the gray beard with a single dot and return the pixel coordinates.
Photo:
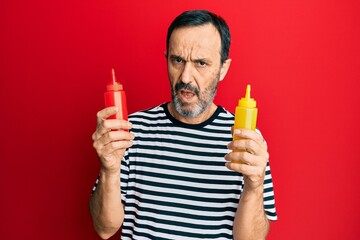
(203, 103)
(196, 111)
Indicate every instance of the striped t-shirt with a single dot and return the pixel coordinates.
(174, 182)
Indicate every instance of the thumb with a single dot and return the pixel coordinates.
(107, 112)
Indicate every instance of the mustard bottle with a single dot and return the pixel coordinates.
(246, 112)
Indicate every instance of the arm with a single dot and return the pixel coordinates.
(105, 206)
(250, 160)
(110, 142)
(250, 219)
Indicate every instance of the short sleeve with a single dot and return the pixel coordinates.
(124, 176)
(269, 199)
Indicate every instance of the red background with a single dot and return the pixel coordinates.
(301, 57)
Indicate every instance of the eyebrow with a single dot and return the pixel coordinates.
(173, 56)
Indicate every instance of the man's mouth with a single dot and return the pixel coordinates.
(186, 94)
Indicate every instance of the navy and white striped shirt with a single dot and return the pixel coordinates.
(174, 182)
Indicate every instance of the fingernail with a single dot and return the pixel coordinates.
(237, 131)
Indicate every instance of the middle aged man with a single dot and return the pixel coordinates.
(173, 175)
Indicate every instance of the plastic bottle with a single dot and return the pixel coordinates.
(246, 112)
(115, 96)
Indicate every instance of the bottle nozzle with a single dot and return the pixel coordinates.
(247, 94)
(114, 85)
(247, 101)
(113, 76)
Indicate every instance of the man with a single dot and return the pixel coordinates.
(173, 175)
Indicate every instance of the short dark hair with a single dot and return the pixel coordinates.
(201, 17)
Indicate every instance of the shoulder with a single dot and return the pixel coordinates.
(152, 112)
(151, 117)
(224, 115)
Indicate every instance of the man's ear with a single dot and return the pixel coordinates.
(224, 69)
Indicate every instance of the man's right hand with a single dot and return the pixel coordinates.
(111, 139)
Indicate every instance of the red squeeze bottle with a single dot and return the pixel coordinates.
(115, 96)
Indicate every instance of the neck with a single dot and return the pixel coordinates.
(194, 120)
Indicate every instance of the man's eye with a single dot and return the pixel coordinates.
(178, 60)
(202, 63)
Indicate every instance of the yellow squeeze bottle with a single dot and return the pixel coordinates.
(246, 112)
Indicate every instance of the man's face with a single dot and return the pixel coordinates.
(194, 68)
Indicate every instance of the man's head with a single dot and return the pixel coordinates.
(197, 58)
(202, 17)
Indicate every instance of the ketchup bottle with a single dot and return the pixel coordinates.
(115, 96)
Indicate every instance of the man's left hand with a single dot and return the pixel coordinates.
(249, 157)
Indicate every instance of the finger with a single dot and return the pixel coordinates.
(250, 134)
(100, 131)
(112, 147)
(242, 157)
(116, 124)
(244, 145)
(242, 168)
(100, 118)
(111, 124)
(253, 175)
(114, 136)
(106, 112)
(248, 145)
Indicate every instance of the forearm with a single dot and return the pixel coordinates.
(106, 207)
(250, 219)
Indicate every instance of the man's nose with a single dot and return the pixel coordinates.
(186, 75)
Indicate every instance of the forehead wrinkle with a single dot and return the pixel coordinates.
(190, 52)
(188, 47)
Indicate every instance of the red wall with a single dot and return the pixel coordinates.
(301, 57)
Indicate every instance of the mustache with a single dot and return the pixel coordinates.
(186, 86)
